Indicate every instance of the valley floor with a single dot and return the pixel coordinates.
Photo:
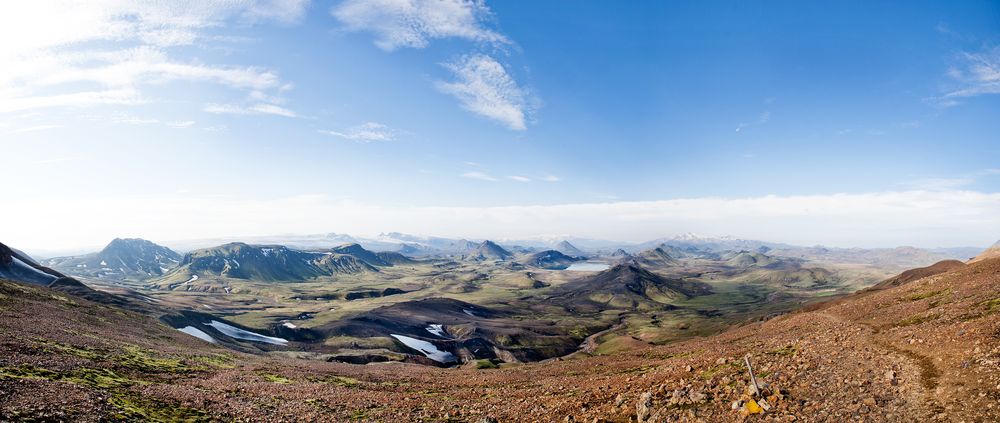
(927, 350)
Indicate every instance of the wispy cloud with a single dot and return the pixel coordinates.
(484, 87)
(414, 23)
(482, 176)
(63, 52)
(519, 178)
(482, 84)
(182, 124)
(551, 178)
(764, 117)
(976, 73)
(253, 109)
(366, 132)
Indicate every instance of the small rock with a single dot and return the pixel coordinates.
(890, 376)
(619, 400)
(488, 419)
(642, 408)
(688, 368)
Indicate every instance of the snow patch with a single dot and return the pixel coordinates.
(289, 325)
(428, 349)
(235, 332)
(197, 333)
(437, 330)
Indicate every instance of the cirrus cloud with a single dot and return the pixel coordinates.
(484, 87)
(413, 23)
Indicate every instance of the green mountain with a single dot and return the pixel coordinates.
(122, 258)
(626, 286)
(269, 263)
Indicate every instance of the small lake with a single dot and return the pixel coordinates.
(589, 266)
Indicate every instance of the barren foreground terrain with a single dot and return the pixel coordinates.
(925, 350)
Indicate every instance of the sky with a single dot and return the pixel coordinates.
(856, 123)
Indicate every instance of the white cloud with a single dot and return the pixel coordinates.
(253, 109)
(74, 99)
(519, 178)
(923, 218)
(181, 124)
(551, 178)
(941, 184)
(413, 23)
(132, 120)
(367, 132)
(484, 87)
(976, 74)
(480, 176)
(55, 61)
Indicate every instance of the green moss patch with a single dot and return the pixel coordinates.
(786, 350)
(94, 378)
(273, 378)
(915, 320)
(219, 361)
(344, 381)
(143, 360)
(486, 364)
(924, 295)
(133, 408)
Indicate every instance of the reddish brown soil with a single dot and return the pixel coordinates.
(927, 350)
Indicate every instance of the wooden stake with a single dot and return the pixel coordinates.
(753, 379)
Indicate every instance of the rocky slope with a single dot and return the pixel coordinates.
(992, 252)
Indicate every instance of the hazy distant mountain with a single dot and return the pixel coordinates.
(657, 257)
(569, 249)
(747, 259)
(357, 251)
(123, 258)
(902, 257)
(489, 250)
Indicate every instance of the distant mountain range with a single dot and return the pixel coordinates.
(137, 259)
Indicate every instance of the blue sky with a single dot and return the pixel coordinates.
(502, 119)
